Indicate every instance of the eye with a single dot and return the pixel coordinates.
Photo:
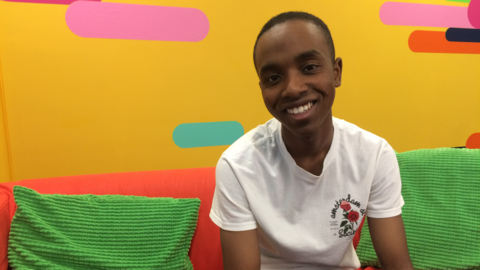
(273, 78)
(310, 68)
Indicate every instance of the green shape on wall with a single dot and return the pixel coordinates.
(463, 1)
(207, 134)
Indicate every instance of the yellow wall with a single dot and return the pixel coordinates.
(5, 163)
(85, 106)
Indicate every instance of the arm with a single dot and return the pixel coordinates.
(231, 212)
(390, 242)
(240, 250)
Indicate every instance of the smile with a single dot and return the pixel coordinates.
(300, 109)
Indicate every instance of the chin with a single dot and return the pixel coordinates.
(304, 131)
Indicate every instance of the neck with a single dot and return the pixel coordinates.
(315, 145)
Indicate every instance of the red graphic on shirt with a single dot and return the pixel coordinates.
(353, 216)
(350, 213)
(349, 218)
(345, 206)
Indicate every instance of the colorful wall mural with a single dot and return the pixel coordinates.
(91, 87)
(460, 37)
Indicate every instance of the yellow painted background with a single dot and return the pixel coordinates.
(73, 105)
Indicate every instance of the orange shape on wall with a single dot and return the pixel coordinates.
(436, 42)
(473, 141)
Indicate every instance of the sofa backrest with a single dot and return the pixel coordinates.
(205, 252)
(441, 215)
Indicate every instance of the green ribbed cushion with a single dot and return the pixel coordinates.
(100, 231)
(442, 211)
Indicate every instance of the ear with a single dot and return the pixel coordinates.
(337, 71)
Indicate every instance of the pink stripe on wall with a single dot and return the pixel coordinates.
(58, 2)
(397, 13)
(141, 22)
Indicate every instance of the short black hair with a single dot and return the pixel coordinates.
(298, 15)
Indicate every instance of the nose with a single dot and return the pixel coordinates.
(296, 86)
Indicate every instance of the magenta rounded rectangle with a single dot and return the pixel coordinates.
(139, 22)
(474, 13)
(412, 14)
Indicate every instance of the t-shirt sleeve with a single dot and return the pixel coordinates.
(386, 192)
(230, 208)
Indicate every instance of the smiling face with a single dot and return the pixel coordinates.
(297, 77)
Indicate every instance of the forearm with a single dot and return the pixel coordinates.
(240, 250)
(404, 265)
(390, 243)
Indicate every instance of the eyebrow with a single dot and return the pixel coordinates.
(301, 56)
(307, 54)
(267, 67)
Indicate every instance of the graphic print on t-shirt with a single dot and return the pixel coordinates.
(346, 215)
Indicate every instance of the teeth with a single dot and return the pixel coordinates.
(300, 109)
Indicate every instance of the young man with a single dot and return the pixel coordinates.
(291, 193)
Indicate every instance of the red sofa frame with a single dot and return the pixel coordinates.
(205, 252)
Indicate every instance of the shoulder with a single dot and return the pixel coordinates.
(360, 143)
(351, 133)
(258, 141)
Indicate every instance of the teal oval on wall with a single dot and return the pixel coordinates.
(207, 134)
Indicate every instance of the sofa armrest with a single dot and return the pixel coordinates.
(4, 228)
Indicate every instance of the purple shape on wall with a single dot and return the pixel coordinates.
(139, 22)
(463, 34)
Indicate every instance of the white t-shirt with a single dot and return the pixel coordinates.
(306, 221)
